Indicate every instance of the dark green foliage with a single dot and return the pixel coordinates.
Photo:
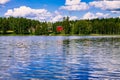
(66, 25)
(4, 25)
(24, 26)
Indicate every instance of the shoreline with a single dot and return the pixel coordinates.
(60, 35)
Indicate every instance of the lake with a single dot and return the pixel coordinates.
(59, 58)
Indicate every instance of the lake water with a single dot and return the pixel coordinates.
(59, 58)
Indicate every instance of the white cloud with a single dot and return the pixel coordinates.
(37, 14)
(60, 18)
(73, 18)
(56, 18)
(57, 12)
(4, 1)
(81, 6)
(116, 12)
(74, 5)
(72, 2)
(23, 11)
(106, 5)
(90, 15)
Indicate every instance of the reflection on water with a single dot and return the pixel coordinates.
(59, 58)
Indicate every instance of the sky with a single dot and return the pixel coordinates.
(55, 10)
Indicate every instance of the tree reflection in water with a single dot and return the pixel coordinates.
(59, 58)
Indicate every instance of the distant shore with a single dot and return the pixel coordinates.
(60, 35)
(66, 27)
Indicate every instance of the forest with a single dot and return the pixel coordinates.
(23, 26)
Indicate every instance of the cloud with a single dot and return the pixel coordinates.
(110, 5)
(36, 14)
(116, 12)
(56, 18)
(74, 5)
(106, 0)
(23, 11)
(60, 18)
(3, 2)
(72, 2)
(81, 6)
(73, 18)
(90, 15)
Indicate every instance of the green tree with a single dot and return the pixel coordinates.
(66, 25)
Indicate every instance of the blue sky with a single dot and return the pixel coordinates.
(55, 10)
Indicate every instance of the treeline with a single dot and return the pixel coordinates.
(25, 26)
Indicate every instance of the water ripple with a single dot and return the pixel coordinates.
(59, 58)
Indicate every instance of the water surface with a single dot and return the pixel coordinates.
(59, 58)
